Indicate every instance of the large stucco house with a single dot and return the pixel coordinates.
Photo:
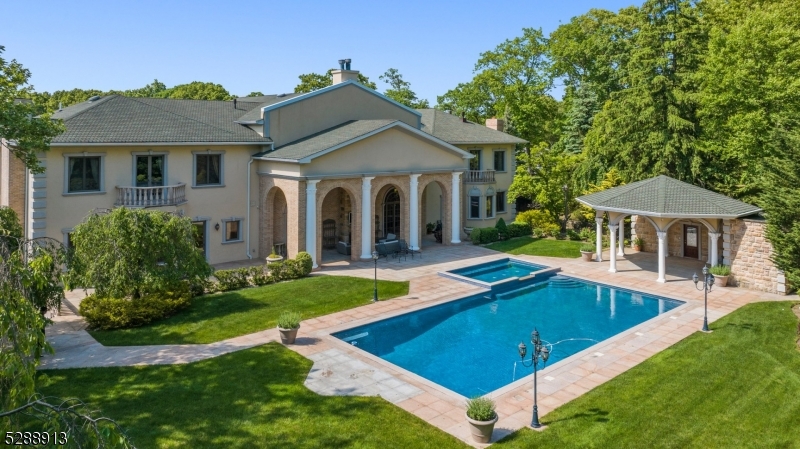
(301, 172)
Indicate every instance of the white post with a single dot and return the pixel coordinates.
(599, 239)
(713, 250)
(612, 231)
(621, 242)
(311, 219)
(662, 262)
(366, 218)
(455, 207)
(413, 215)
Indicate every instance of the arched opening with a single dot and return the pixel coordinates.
(278, 227)
(435, 214)
(335, 226)
(391, 212)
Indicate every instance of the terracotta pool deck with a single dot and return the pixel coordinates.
(342, 369)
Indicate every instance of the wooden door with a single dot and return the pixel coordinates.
(691, 238)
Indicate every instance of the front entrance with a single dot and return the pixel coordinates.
(200, 236)
(691, 237)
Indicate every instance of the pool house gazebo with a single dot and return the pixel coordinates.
(664, 202)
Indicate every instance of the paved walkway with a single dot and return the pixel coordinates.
(341, 369)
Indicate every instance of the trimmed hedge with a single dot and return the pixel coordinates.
(232, 279)
(475, 236)
(116, 313)
(519, 230)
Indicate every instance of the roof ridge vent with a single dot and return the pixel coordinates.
(94, 98)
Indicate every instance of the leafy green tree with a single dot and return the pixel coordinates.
(473, 99)
(25, 132)
(583, 106)
(400, 90)
(197, 90)
(151, 90)
(255, 94)
(310, 82)
(127, 253)
(651, 126)
(749, 87)
(541, 176)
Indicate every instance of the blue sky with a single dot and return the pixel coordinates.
(263, 46)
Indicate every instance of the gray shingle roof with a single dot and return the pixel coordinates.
(453, 130)
(118, 119)
(254, 104)
(663, 196)
(323, 140)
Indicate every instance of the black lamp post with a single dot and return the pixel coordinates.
(566, 205)
(708, 282)
(375, 256)
(539, 351)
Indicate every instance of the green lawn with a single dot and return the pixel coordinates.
(248, 399)
(539, 247)
(221, 316)
(736, 387)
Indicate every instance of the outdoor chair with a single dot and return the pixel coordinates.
(382, 250)
(437, 232)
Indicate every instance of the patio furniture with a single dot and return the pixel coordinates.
(437, 232)
(390, 237)
(329, 234)
(344, 248)
(280, 248)
(388, 248)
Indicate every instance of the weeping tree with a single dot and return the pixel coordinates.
(30, 284)
(127, 253)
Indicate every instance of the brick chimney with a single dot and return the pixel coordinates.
(344, 73)
(495, 124)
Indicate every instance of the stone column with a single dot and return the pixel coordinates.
(455, 207)
(713, 250)
(612, 230)
(367, 236)
(311, 219)
(621, 242)
(599, 239)
(662, 257)
(413, 235)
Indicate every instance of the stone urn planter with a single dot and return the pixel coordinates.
(721, 281)
(276, 258)
(481, 431)
(721, 274)
(288, 324)
(586, 256)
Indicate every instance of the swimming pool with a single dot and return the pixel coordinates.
(495, 271)
(470, 345)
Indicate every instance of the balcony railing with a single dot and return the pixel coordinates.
(151, 196)
(479, 176)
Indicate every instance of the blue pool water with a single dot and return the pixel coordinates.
(498, 270)
(470, 345)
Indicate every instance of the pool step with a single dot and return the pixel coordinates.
(564, 282)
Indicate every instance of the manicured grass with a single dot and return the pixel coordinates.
(539, 247)
(736, 387)
(247, 399)
(221, 316)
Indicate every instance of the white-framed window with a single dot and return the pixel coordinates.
(149, 169)
(232, 231)
(84, 173)
(475, 162)
(208, 169)
(474, 199)
(500, 160)
(489, 202)
(500, 206)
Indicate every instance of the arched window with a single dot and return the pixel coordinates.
(391, 212)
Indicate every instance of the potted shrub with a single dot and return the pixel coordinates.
(721, 273)
(288, 324)
(638, 244)
(273, 256)
(481, 418)
(429, 228)
(587, 251)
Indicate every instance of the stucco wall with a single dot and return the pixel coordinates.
(503, 180)
(326, 110)
(748, 252)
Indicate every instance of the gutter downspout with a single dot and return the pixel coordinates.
(249, 187)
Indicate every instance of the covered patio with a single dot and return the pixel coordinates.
(656, 205)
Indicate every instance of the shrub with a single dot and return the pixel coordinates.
(587, 247)
(537, 219)
(481, 409)
(538, 233)
(552, 230)
(572, 235)
(118, 313)
(489, 235)
(502, 229)
(475, 235)
(638, 241)
(586, 234)
(306, 263)
(232, 279)
(720, 270)
(259, 275)
(517, 229)
(289, 320)
(278, 271)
